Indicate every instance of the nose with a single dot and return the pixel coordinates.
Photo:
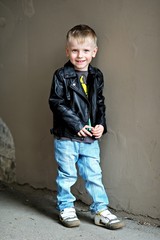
(79, 54)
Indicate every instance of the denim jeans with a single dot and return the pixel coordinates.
(86, 156)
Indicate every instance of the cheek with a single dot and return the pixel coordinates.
(71, 56)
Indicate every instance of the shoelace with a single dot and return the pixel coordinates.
(68, 213)
(107, 214)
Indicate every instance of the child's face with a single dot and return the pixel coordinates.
(81, 52)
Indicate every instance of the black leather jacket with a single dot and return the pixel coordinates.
(69, 104)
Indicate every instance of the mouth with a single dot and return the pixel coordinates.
(80, 61)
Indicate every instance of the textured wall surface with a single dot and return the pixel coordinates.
(32, 37)
(7, 155)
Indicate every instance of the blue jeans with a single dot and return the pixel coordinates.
(86, 156)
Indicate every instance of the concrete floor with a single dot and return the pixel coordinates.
(29, 214)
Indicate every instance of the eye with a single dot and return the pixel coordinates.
(86, 50)
(74, 50)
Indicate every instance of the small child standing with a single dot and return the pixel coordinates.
(77, 102)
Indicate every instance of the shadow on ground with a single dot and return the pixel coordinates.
(41, 200)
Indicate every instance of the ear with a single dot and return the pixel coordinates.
(67, 52)
(94, 52)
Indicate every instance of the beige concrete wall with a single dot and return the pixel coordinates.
(32, 35)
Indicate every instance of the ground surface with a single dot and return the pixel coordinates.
(29, 214)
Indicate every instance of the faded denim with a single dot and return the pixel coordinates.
(86, 156)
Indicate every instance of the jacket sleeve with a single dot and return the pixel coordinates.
(60, 106)
(101, 108)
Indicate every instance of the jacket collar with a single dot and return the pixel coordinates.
(69, 70)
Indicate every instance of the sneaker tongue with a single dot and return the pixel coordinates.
(108, 214)
(68, 212)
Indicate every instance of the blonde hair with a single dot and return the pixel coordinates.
(81, 32)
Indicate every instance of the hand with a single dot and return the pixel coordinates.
(84, 132)
(97, 131)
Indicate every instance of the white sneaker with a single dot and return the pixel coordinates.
(108, 220)
(69, 218)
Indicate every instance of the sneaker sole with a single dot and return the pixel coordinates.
(70, 224)
(113, 226)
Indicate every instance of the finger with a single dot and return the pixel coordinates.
(87, 129)
(96, 132)
(87, 132)
(79, 134)
(83, 133)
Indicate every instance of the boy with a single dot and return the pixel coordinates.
(77, 103)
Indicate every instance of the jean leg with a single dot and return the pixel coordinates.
(66, 157)
(90, 170)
